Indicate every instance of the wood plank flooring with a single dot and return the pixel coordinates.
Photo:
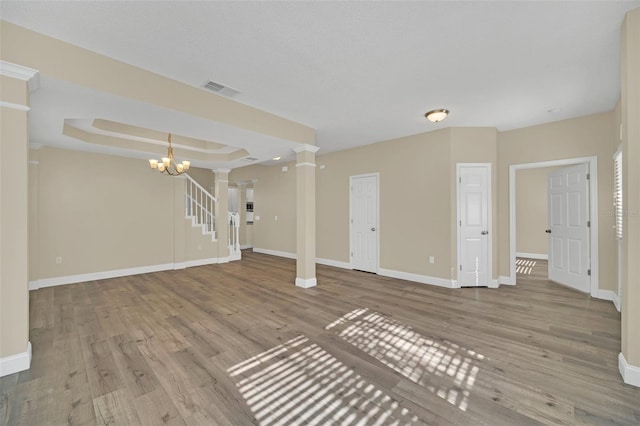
(239, 344)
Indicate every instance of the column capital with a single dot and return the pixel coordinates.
(31, 76)
(306, 148)
(216, 171)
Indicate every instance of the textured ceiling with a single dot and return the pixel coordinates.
(362, 72)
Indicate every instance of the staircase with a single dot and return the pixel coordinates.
(200, 206)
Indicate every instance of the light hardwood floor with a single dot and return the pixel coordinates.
(239, 344)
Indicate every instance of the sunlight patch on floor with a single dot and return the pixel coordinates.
(442, 367)
(298, 382)
(525, 266)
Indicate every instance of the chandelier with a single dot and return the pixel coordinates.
(168, 164)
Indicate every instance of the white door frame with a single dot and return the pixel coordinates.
(490, 281)
(593, 212)
(351, 178)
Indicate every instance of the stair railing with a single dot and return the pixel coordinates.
(199, 206)
(234, 233)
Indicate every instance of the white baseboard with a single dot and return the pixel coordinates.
(321, 261)
(617, 302)
(532, 255)
(423, 279)
(494, 284)
(198, 262)
(630, 373)
(335, 263)
(16, 363)
(275, 253)
(503, 279)
(116, 273)
(306, 282)
(608, 295)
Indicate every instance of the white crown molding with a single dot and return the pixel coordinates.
(630, 373)
(305, 164)
(15, 363)
(31, 76)
(12, 105)
(216, 171)
(34, 145)
(306, 147)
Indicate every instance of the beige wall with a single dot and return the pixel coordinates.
(531, 210)
(474, 145)
(413, 202)
(414, 205)
(14, 293)
(205, 177)
(102, 213)
(630, 111)
(273, 195)
(580, 137)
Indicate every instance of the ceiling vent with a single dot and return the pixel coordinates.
(221, 89)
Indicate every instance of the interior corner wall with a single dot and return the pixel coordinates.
(98, 213)
(274, 205)
(579, 137)
(414, 204)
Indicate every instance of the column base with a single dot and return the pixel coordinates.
(306, 283)
(630, 373)
(16, 363)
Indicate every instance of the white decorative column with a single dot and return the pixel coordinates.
(222, 213)
(15, 348)
(306, 215)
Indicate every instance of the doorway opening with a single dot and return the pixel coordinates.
(591, 163)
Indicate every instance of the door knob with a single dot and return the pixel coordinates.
(373, 229)
(484, 232)
(548, 231)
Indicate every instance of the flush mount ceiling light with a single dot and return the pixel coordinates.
(437, 115)
(168, 164)
(275, 158)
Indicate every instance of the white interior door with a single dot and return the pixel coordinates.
(568, 219)
(474, 217)
(364, 223)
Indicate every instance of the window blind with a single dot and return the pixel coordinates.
(618, 194)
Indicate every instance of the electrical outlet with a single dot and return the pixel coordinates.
(58, 260)
(432, 259)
